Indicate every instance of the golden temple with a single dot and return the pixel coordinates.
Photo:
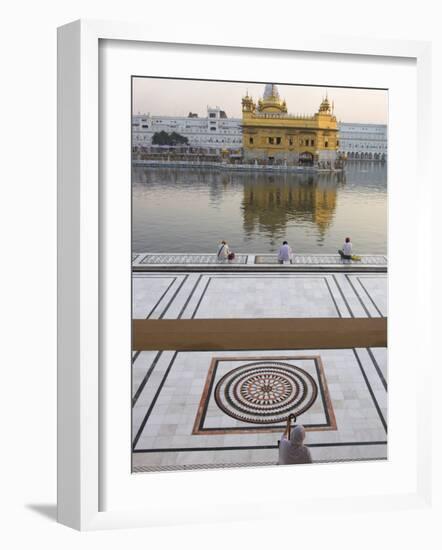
(272, 135)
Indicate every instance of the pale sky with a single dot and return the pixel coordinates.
(160, 96)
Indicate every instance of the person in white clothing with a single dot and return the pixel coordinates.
(285, 253)
(223, 251)
(346, 251)
(292, 449)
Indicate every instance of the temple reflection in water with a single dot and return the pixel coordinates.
(271, 204)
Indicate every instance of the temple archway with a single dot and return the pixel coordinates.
(306, 158)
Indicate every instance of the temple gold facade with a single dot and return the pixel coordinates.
(271, 135)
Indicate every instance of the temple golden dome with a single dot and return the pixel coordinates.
(325, 106)
(248, 103)
(271, 102)
(271, 92)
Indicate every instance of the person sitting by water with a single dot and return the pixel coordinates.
(292, 449)
(285, 253)
(223, 251)
(346, 251)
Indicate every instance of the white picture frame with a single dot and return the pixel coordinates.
(85, 461)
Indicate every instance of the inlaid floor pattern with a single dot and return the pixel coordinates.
(208, 409)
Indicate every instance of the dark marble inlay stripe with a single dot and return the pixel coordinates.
(343, 296)
(369, 295)
(146, 378)
(358, 296)
(376, 404)
(201, 297)
(154, 400)
(378, 369)
(190, 296)
(174, 296)
(258, 447)
(162, 296)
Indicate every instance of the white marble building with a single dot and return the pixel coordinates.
(363, 141)
(215, 131)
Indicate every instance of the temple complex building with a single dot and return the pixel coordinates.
(359, 141)
(272, 135)
(266, 134)
(215, 132)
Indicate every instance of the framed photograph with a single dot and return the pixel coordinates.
(234, 239)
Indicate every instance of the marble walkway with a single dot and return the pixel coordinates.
(207, 409)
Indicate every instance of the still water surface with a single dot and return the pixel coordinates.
(191, 210)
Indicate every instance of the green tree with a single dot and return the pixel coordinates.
(163, 138)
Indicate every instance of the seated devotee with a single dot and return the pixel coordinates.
(345, 253)
(285, 253)
(292, 449)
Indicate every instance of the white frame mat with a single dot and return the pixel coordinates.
(96, 489)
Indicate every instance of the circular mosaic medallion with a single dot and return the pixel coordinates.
(265, 392)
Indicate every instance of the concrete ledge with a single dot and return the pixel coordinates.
(258, 269)
(256, 263)
(223, 166)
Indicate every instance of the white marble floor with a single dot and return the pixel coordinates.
(179, 419)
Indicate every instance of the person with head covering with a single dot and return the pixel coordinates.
(346, 250)
(293, 450)
(285, 253)
(223, 251)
